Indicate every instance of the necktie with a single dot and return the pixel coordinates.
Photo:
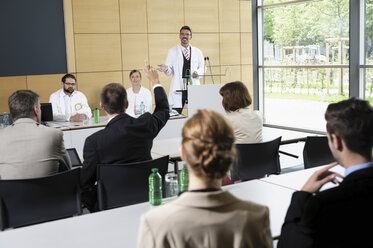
(186, 53)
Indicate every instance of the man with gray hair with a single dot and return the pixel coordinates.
(28, 149)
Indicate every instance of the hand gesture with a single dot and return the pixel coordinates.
(162, 67)
(321, 177)
(151, 73)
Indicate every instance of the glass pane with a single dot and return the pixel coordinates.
(369, 85)
(299, 97)
(314, 33)
(369, 32)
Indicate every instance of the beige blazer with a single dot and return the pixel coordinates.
(247, 125)
(29, 150)
(206, 219)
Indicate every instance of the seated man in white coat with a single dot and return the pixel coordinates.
(183, 61)
(69, 104)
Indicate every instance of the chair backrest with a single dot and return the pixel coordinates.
(30, 201)
(257, 160)
(316, 152)
(126, 184)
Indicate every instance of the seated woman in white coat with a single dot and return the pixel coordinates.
(137, 94)
(247, 124)
(205, 215)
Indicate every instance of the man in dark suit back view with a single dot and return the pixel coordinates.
(124, 139)
(341, 216)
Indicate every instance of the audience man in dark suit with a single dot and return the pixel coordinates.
(125, 139)
(340, 216)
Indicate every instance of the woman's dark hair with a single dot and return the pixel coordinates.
(208, 143)
(235, 96)
(133, 71)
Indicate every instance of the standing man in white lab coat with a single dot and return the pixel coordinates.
(183, 61)
(69, 104)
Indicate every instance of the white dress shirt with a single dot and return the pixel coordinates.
(65, 106)
(135, 99)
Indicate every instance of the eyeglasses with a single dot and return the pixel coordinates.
(70, 84)
(185, 34)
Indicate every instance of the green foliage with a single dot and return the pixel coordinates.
(305, 24)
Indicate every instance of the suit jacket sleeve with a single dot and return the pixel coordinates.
(145, 237)
(294, 233)
(161, 113)
(62, 153)
(88, 174)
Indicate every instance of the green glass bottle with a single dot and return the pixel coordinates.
(155, 188)
(96, 115)
(190, 82)
(184, 179)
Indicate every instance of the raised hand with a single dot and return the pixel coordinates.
(151, 73)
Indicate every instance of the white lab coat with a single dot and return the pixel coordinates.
(134, 100)
(77, 102)
(175, 62)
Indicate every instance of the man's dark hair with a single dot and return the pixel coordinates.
(68, 76)
(352, 120)
(21, 104)
(114, 98)
(186, 28)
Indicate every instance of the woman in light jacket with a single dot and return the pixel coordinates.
(205, 215)
(247, 124)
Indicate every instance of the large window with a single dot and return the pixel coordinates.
(303, 59)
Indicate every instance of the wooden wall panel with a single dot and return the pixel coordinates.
(208, 79)
(133, 16)
(230, 53)
(96, 16)
(44, 85)
(134, 50)
(165, 16)
(209, 45)
(91, 85)
(159, 44)
(229, 15)
(98, 52)
(233, 73)
(245, 16)
(7, 86)
(202, 16)
(246, 48)
(247, 77)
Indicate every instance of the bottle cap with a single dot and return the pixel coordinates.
(154, 170)
(5, 113)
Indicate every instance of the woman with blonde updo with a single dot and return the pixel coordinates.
(205, 215)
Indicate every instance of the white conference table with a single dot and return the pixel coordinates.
(119, 227)
(296, 180)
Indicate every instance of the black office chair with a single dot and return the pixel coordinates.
(316, 152)
(126, 184)
(256, 160)
(30, 201)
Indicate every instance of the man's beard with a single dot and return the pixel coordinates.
(68, 90)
